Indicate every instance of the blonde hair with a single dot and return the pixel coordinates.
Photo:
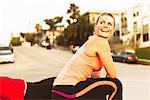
(105, 13)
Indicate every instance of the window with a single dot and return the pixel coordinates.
(145, 28)
(145, 32)
(145, 37)
(124, 23)
(136, 14)
(136, 10)
(5, 50)
(135, 26)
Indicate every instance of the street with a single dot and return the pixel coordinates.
(37, 63)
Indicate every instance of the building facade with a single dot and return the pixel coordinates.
(135, 26)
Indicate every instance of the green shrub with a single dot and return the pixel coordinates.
(15, 41)
(143, 53)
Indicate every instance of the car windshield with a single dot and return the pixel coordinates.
(5, 50)
(130, 53)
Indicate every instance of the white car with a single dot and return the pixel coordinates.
(6, 54)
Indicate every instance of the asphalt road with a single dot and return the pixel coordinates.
(36, 63)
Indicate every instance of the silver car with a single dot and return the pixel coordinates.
(6, 54)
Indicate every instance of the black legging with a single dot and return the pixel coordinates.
(39, 90)
(42, 90)
(92, 89)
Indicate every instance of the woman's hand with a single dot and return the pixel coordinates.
(107, 76)
(95, 74)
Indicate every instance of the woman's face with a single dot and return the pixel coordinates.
(105, 26)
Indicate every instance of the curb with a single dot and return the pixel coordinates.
(62, 48)
(144, 61)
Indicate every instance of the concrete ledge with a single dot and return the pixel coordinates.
(144, 61)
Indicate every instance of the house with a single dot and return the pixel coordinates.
(135, 26)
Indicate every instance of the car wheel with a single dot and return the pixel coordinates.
(124, 61)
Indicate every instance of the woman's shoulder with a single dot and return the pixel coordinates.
(97, 41)
(90, 47)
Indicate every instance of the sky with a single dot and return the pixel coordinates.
(21, 15)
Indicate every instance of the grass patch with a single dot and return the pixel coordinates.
(143, 53)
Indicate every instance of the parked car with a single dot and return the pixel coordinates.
(75, 48)
(6, 54)
(113, 52)
(49, 46)
(125, 56)
(44, 44)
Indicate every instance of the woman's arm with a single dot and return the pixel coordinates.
(103, 51)
(95, 74)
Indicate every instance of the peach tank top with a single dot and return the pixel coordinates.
(77, 69)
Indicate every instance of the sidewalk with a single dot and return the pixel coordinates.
(62, 48)
(136, 89)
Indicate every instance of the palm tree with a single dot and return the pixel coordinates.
(73, 13)
(53, 23)
(78, 32)
(70, 32)
(38, 27)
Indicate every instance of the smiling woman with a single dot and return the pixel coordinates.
(81, 76)
(105, 25)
